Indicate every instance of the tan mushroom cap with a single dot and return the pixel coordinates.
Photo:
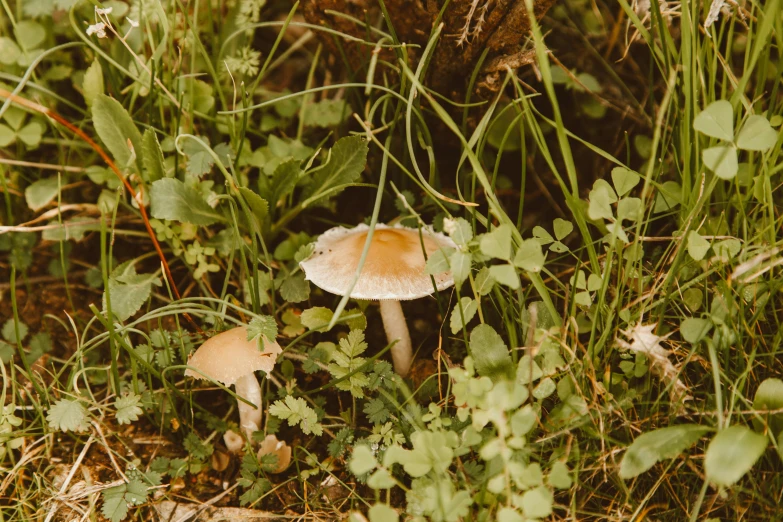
(229, 356)
(279, 448)
(394, 268)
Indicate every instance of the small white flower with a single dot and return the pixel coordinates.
(104, 11)
(133, 23)
(98, 29)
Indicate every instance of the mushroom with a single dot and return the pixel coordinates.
(393, 271)
(276, 447)
(230, 358)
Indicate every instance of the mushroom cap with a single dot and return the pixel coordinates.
(229, 356)
(394, 268)
(283, 451)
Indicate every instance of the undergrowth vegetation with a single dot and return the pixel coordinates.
(610, 349)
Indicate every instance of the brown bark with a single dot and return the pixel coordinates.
(469, 27)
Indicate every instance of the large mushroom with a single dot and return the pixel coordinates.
(230, 358)
(393, 271)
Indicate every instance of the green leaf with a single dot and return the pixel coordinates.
(9, 330)
(600, 201)
(505, 275)
(7, 135)
(346, 163)
(668, 196)
(438, 262)
(40, 193)
(529, 256)
(693, 329)
(9, 51)
(362, 460)
(153, 157)
(630, 209)
(325, 113)
(537, 503)
(297, 412)
(92, 85)
(200, 161)
(382, 512)
(257, 204)
(484, 281)
(115, 508)
(497, 243)
(295, 289)
(128, 290)
(458, 230)
(562, 228)
(458, 321)
(757, 134)
(376, 411)
(67, 415)
(29, 34)
(727, 249)
(31, 134)
(265, 326)
(769, 396)
(559, 475)
(115, 127)
(722, 160)
(624, 180)
(172, 199)
(489, 352)
(717, 121)
(697, 246)
(281, 183)
(732, 453)
(460, 263)
(657, 445)
(508, 514)
(128, 408)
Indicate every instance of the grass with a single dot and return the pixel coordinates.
(611, 286)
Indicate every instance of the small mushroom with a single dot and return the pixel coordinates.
(230, 358)
(279, 448)
(393, 271)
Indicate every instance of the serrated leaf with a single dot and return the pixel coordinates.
(661, 444)
(153, 157)
(732, 453)
(92, 85)
(716, 120)
(489, 352)
(265, 326)
(42, 192)
(257, 204)
(172, 199)
(346, 163)
(128, 290)
(459, 320)
(362, 460)
(383, 512)
(10, 328)
(128, 408)
(460, 263)
(497, 243)
(115, 508)
(68, 415)
(325, 113)
(295, 289)
(296, 411)
(757, 134)
(722, 160)
(115, 127)
(281, 183)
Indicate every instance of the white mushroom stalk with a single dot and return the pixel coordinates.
(230, 358)
(394, 270)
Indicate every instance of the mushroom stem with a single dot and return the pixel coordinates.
(248, 388)
(397, 330)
